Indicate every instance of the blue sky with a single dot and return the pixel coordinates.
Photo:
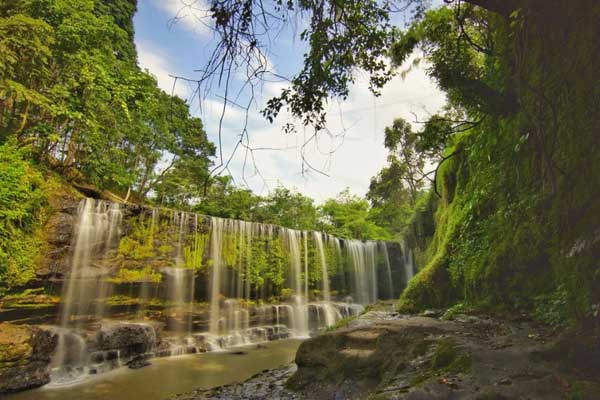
(356, 125)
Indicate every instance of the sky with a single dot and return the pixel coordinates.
(174, 40)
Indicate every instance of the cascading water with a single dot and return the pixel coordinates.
(388, 269)
(97, 229)
(216, 242)
(362, 259)
(84, 294)
(299, 310)
(330, 314)
(256, 280)
(409, 263)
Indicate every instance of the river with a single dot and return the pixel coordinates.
(169, 376)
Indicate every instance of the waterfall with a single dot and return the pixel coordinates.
(330, 316)
(300, 309)
(364, 272)
(258, 279)
(97, 228)
(388, 269)
(409, 263)
(216, 241)
(181, 292)
(85, 291)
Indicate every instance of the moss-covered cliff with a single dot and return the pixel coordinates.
(518, 222)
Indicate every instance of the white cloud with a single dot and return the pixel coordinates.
(190, 15)
(359, 150)
(153, 60)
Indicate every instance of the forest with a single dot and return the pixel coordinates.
(488, 209)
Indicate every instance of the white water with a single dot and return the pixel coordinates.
(362, 259)
(329, 311)
(388, 270)
(299, 309)
(215, 281)
(409, 263)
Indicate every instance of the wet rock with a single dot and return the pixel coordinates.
(129, 338)
(138, 362)
(269, 384)
(25, 353)
(386, 356)
(432, 313)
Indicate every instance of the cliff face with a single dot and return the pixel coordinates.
(516, 226)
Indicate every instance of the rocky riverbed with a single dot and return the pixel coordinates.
(384, 355)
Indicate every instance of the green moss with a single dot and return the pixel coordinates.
(146, 274)
(122, 300)
(447, 359)
(342, 323)
(29, 299)
(430, 288)
(165, 249)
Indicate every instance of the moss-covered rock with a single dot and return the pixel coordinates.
(25, 353)
(430, 288)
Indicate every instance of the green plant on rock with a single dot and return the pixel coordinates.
(146, 274)
(448, 358)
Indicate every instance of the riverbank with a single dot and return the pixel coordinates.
(384, 355)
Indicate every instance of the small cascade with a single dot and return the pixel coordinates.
(181, 288)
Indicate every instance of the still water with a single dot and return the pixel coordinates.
(170, 376)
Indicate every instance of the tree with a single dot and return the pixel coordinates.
(288, 208)
(342, 38)
(70, 88)
(349, 216)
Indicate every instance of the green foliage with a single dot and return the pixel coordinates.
(71, 88)
(349, 216)
(511, 228)
(29, 299)
(139, 245)
(552, 309)
(22, 200)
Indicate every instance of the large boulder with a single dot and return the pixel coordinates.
(25, 353)
(129, 338)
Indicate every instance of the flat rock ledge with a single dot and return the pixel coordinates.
(386, 356)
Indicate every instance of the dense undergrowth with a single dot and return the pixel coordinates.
(517, 224)
(23, 196)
